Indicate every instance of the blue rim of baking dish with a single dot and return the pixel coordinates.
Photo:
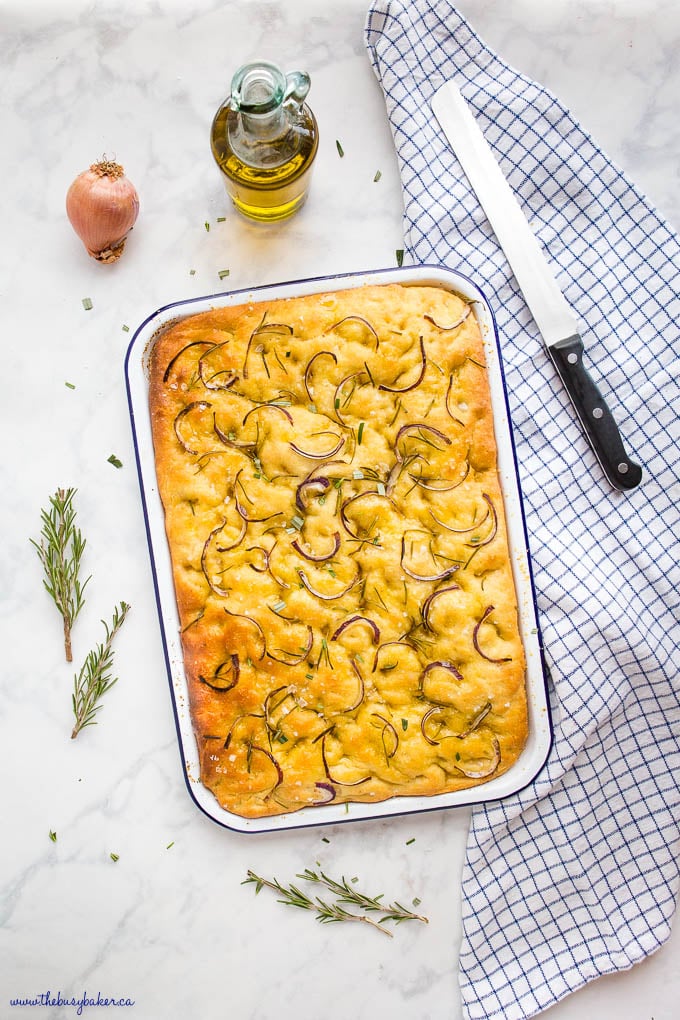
(539, 706)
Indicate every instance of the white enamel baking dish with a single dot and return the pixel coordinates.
(540, 734)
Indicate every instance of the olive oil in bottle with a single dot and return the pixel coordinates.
(264, 139)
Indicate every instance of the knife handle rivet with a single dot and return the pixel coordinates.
(622, 468)
(572, 358)
(597, 412)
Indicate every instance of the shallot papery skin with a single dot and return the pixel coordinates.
(102, 206)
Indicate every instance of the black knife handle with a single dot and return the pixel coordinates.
(596, 418)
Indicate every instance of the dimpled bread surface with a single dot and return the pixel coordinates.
(327, 468)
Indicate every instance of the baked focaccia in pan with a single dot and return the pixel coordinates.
(327, 468)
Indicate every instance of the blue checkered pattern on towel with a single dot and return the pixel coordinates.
(577, 875)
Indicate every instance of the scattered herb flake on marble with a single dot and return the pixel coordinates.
(170, 845)
(126, 329)
(378, 175)
(221, 219)
(114, 857)
(222, 273)
(69, 385)
(400, 256)
(341, 151)
(207, 226)
(114, 460)
(53, 836)
(409, 841)
(192, 272)
(87, 303)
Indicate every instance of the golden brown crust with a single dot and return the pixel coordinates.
(327, 466)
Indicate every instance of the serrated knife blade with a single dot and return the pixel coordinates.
(552, 314)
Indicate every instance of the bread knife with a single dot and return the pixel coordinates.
(552, 314)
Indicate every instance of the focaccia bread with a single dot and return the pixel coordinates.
(327, 467)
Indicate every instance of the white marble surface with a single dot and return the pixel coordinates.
(169, 924)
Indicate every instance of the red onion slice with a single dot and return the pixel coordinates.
(209, 382)
(194, 343)
(439, 576)
(322, 595)
(475, 637)
(446, 405)
(364, 322)
(202, 405)
(419, 427)
(429, 601)
(328, 790)
(354, 499)
(272, 759)
(358, 619)
(255, 624)
(314, 558)
(440, 664)
(338, 390)
(268, 407)
(233, 663)
(295, 658)
(319, 484)
(337, 782)
(309, 455)
(454, 325)
(459, 531)
(484, 771)
(221, 549)
(308, 371)
(428, 715)
(414, 385)
(388, 728)
(391, 644)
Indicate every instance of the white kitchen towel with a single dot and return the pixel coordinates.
(577, 875)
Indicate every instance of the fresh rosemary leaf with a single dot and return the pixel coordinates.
(341, 151)
(95, 679)
(400, 256)
(60, 552)
(70, 385)
(378, 175)
(115, 461)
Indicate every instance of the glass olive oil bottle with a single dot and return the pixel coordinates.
(264, 139)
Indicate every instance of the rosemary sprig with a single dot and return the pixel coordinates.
(60, 551)
(326, 913)
(94, 679)
(344, 893)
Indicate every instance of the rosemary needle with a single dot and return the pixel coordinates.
(94, 679)
(60, 551)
